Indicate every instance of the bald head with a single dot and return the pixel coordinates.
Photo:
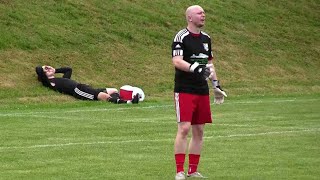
(195, 17)
(193, 10)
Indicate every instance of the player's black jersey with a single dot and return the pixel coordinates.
(64, 84)
(193, 48)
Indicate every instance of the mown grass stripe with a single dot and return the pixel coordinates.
(156, 140)
(147, 107)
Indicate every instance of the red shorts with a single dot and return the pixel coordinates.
(192, 108)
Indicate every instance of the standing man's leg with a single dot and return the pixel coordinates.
(195, 147)
(180, 145)
(201, 117)
(184, 104)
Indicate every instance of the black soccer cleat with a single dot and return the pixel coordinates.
(135, 99)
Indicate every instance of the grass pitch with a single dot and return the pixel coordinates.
(256, 138)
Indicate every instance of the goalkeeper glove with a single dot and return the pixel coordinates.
(203, 71)
(219, 94)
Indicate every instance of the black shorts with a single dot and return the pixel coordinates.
(85, 92)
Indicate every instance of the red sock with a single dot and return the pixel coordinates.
(180, 162)
(193, 163)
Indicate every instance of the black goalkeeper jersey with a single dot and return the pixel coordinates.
(193, 48)
(64, 84)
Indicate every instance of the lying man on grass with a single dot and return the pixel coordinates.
(46, 75)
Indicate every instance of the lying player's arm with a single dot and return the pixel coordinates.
(67, 71)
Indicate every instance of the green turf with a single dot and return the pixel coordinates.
(267, 58)
(251, 138)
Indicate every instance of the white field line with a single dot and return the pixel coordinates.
(135, 119)
(265, 133)
(146, 107)
(157, 120)
(153, 140)
(236, 125)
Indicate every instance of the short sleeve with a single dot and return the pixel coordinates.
(177, 49)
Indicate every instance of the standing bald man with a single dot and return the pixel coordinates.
(192, 58)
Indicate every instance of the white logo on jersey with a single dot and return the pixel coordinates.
(200, 56)
(206, 46)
